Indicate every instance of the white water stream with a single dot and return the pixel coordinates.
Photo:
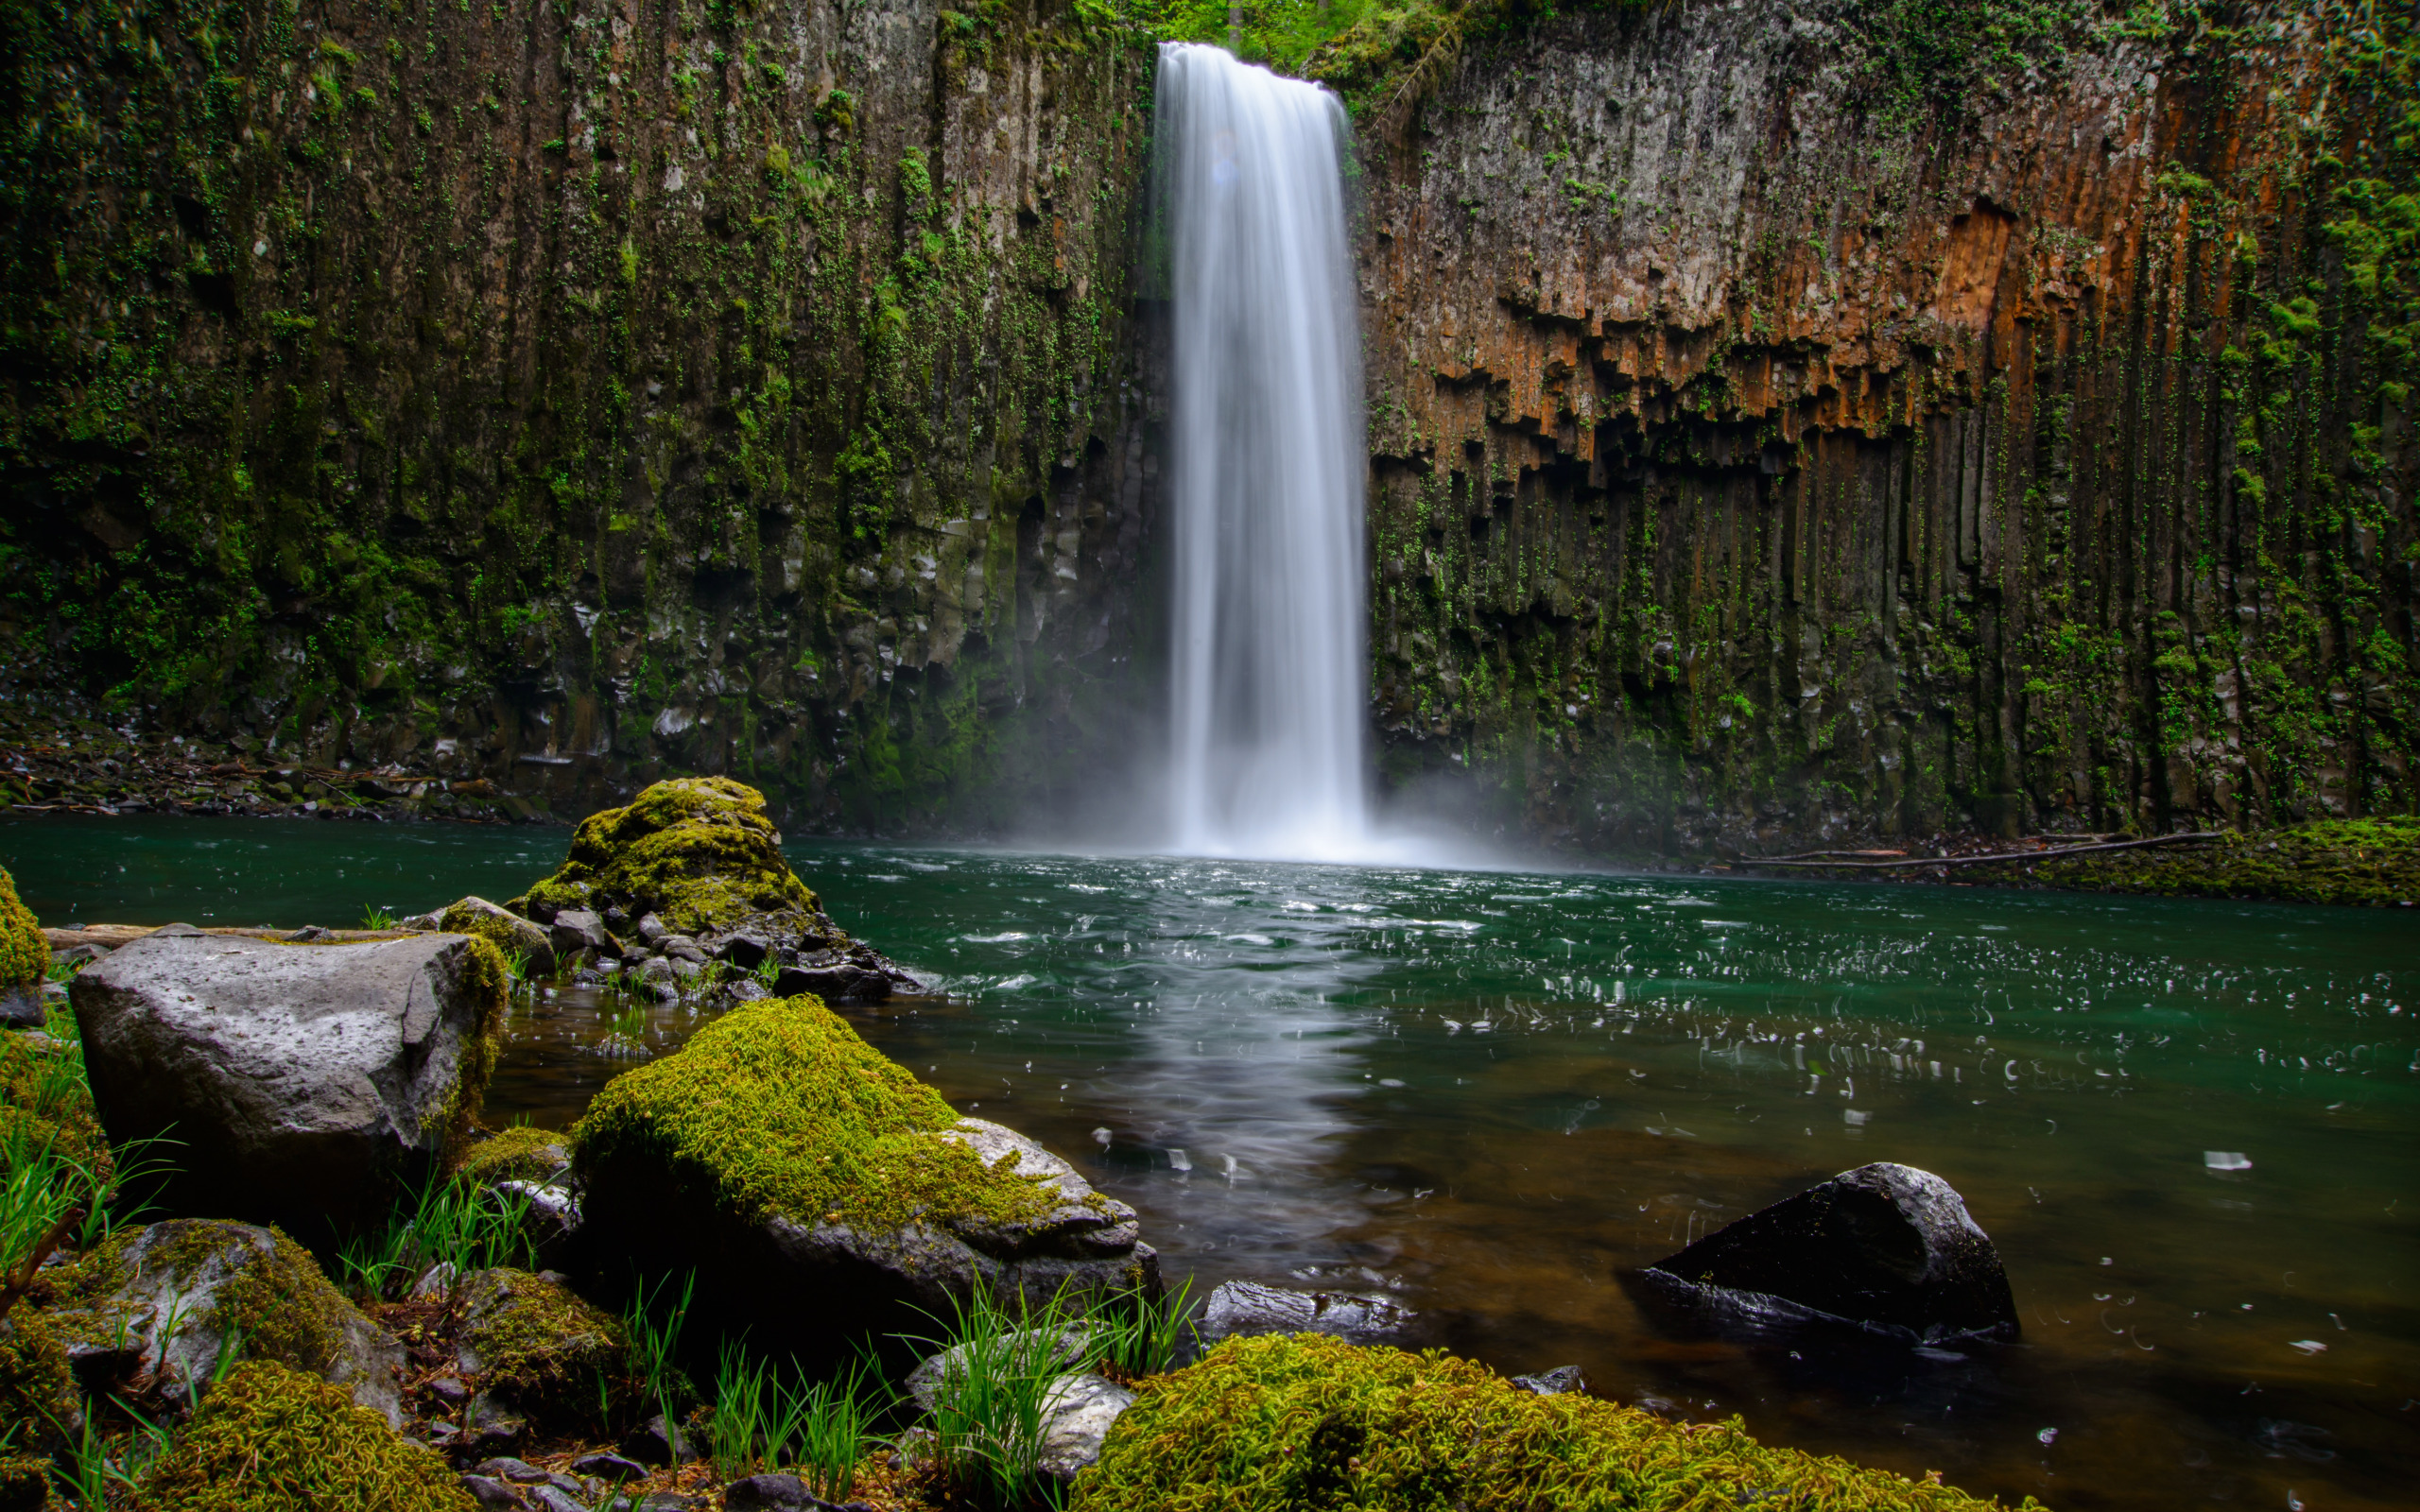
(1267, 450)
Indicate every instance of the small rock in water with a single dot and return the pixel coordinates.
(1100, 1137)
(2226, 1160)
(2048, 1435)
(1250, 1308)
(1554, 1382)
(1178, 1161)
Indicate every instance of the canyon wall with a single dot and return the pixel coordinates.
(567, 393)
(1804, 423)
(1790, 423)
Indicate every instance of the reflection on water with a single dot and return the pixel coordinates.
(1501, 1093)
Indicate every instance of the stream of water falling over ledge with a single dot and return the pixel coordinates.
(1265, 441)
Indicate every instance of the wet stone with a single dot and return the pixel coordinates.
(1250, 1308)
(1554, 1382)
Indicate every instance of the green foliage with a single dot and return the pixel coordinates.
(271, 1438)
(779, 1109)
(519, 1153)
(987, 1400)
(818, 1430)
(2366, 863)
(1309, 1421)
(451, 1221)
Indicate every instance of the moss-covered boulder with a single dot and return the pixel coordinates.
(271, 1439)
(698, 853)
(820, 1192)
(516, 1154)
(1311, 1421)
(168, 1302)
(25, 957)
(305, 1083)
(536, 1346)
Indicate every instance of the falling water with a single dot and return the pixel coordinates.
(1267, 448)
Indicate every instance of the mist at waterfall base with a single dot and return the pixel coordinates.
(1265, 745)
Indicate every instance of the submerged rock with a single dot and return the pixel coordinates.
(1245, 1308)
(169, 1303)
(312, 1082)
(1884, 1246)
(784, 1160)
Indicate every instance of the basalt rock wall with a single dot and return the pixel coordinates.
(566, 393)
(1812, 423)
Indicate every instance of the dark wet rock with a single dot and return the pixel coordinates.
(1884, 1246)
(1554, 1382)
(843, 983)
(575, 929)
(769, 1493)
(309, 1084)
(1250, 1308)
(745, 950)
(168, 1303)
(490, 1423)
(309, 934)
(660, 1443)
(554, 1498)
(490, 1492)
(657, 1502)
(504, 1467)
(610, 1467)
(682, 948)
(449, 1390)
(747, 990)
(651, 929)
(21, 1004)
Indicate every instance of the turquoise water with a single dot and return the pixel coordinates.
(1498, 1093)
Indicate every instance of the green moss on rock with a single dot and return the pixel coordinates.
(271, 1438)
(536, 1343)
(25, 952)
(25, 1482)
(263, 1284)
(517, 1154)
(779, 1109)
(37, 1392)
(2367, 863)
(1311, 1421)
(697, 852)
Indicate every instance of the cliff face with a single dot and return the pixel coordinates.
(572, 392)
(1791, 424)
(1788, 423)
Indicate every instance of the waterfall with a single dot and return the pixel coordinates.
(1266, 444)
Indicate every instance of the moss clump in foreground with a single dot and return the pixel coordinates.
(2366, 863)
(37, 1391)
(778, 1110)
(24, 951)
(1311, 1421)
(697, 852)
(538, 1344)
(270, 1439)
(516, 1154)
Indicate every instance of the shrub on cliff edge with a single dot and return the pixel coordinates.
(1311, 1421)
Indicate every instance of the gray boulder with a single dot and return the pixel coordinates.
(168, 1304)
(1076, 1417)
(306, 1083)
(1886, 1247)
(1250, 1308)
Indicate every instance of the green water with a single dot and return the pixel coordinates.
(1499, 1092)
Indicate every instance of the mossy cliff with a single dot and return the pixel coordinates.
(575, 393)
(1883, 417)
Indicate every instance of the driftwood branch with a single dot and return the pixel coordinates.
(1999, 856)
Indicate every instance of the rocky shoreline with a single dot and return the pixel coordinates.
(348, 1292)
